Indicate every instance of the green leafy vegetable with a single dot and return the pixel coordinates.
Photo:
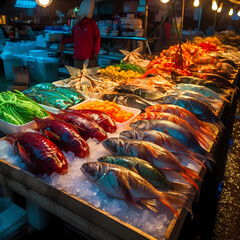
(128, 66)
(17, 109)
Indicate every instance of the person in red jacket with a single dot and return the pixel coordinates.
(85, 37)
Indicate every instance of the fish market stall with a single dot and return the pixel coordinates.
(122, 125)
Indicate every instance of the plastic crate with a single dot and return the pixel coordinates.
(12, 218)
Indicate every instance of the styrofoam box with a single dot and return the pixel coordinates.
(120, 126)
(7, 127)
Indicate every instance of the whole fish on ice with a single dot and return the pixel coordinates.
(147, 171)
(154, 154)
(119, 182)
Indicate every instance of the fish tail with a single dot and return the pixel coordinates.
(209, 133)
(190, 175)
(201, 140)
(155, 206)
(197, 160)
(220, 125)
(225, 99)
(177, 200)
(206, 129)
(182, 188)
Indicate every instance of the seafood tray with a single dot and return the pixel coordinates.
(120, 126)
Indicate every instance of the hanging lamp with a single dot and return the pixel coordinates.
(44, 3)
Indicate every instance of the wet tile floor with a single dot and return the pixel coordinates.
(227, 224)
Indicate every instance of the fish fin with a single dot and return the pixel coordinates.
(199, 162)
(178, 200)
(15, 147)
(24, 156)
(152, 151)
(51, 135)
(225, 99)
(201, 140)
(220, 125)
(189, 175)
(182, 188)
(125, 187)
(51, 115)
(40, 121)
(133, 169)
(166, 131)
(152, 204)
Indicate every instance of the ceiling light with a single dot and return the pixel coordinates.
(238, 13)
(164, 1)
(220, 8)
(214, 5)
(44, 3)
(196, 3)
(230, 12)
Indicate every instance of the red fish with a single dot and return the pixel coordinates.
(186, 115)
(175, 119)
(65, 136)
(99, 117)
(85, 125)
(39, 153)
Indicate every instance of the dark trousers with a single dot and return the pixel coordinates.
(79, 63)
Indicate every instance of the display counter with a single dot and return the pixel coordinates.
(90, 220)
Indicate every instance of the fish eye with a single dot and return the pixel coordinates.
(58, 105)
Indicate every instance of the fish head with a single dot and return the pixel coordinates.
(92, 170)
(107, 159)
(108, 97)
(166, 99)
(111, 144)
(140, 124)
(130, 134)
(62, 104)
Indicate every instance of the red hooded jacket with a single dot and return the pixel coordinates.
(86, 39)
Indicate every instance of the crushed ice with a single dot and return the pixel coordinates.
(74, 182)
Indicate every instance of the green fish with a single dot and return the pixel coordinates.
(70, 93)
(122, 183)
(51, 99)
(40, 86)
(147, 171)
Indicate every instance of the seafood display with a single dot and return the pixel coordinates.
(75, 96)
(151, 152)
(99, 117)
(167, 141)
(52, 96)
(122, 183)
(141, 92)
(126, 99)
(87, 81)
(113, 110)
(121, 72)
(84, 124)
(174, 130)
(148, 172)
(200, 109)
(64, 136)
(39, 153)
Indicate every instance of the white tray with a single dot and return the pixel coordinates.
(7, 127)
